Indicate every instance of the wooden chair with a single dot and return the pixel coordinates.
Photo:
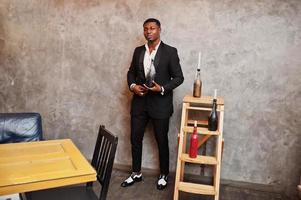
(102, 161)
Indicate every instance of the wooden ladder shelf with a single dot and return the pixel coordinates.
(203, 106)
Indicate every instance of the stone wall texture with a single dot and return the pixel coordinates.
(68, 59)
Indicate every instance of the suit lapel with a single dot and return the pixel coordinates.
(141, 58)
(158, 55)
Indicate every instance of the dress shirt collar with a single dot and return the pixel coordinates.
(156, 48)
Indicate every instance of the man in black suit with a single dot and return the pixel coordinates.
(154, 72)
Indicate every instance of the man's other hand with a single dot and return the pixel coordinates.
(140, 90)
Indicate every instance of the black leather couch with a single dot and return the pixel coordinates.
(20, 127)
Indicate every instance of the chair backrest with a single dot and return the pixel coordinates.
(103, 158)
(20, 127)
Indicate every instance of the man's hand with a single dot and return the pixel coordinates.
(140, 90)
(155, 88)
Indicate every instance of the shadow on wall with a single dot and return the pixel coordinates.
(2, 43)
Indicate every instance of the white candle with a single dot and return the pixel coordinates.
(215, 91)
(199, 63)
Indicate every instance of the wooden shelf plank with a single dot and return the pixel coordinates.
(209, 160)
(201, 130)
(196, 188)
(199, 122)
(202, 108)
(203, 100)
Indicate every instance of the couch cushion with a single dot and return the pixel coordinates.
(20, 127)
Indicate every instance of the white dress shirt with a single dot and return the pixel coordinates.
(148, 57)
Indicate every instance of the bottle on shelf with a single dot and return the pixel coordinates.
(197, 84)
(193, 149)
(213, 117)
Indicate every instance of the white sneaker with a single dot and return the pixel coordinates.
(132, 179)
(162, 182)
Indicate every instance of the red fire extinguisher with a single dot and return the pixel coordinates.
(193, 150)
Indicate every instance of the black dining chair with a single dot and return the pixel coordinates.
(102, 161)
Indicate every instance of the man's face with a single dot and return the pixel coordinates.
(151, 31)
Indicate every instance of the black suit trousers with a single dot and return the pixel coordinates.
(160, 126)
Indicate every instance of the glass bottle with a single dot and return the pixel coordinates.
(193, 149)
(197, 85)
(150, 77)
(213, 117)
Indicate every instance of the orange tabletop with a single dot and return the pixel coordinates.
(31, 166)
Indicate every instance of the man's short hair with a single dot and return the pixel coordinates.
(152, 20)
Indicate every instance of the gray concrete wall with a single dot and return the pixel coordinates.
(67, 59)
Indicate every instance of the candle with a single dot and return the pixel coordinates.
(199, 63)
(215, 91)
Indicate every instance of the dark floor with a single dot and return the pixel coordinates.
(146, 190)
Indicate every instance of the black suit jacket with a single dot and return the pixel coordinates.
(168, 74)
